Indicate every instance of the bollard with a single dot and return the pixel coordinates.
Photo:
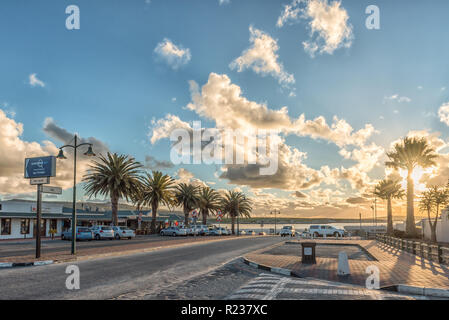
(343, 264)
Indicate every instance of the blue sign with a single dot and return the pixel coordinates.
(40, 167)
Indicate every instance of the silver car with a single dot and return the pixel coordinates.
(103, 232)
(123, 232)
(173, 231)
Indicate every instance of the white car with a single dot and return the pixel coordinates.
(242, 232)
(325, 230)
(287, 231)
(103, 232)
(173, 231)
(122, 232)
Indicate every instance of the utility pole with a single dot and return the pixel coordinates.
(275, 212)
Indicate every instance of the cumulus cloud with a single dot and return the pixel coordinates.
(162, 128)
(262, 58)
(174, 55)
(34, 81)
(328, 23)
(14, 149)
(223, 2)
(443, 113)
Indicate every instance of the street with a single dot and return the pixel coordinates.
(132, 275)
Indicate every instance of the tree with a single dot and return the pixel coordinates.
(187, 196)
(209, 201)
(432, 200)
(157, 189)
(117, 176)
(407, 155)
(236, 204)
(389, 189)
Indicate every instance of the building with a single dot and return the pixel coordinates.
(18, 218)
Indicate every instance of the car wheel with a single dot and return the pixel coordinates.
(174, 234)
(62, 237)
(336, 234)
(117, 237)
(97, 237)
(316, 234)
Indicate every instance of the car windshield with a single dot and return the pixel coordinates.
(106, 228)
(83, 230)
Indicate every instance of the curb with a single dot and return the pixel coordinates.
(25, 264)
(422, 291)
(282, 271)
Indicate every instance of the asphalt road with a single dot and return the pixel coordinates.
(23, 248)
(113, 277)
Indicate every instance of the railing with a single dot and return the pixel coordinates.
(433, 252)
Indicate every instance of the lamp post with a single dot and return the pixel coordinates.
(275, 212)
(61, 156)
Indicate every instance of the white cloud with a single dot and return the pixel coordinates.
(443, 113)
(396, 97)
(35, 81)
(328, 23)
(174, 55)
(262, 58)
(223, 2)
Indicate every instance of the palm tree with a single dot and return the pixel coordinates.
(115, 175)
(209, 201)
(157, 189)
(389, 189)
(236, 204)
(187, 196)
(407, 155)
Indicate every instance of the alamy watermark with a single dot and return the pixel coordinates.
(228, 147)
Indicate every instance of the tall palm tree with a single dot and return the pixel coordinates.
(209, 201)
(407, 155)
(117, 176)
(187, 196)
(389, 189)
(236, 204)
(157, 188)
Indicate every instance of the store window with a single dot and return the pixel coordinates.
(25, 226)
(6, 227)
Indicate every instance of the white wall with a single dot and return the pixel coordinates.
(442, 227)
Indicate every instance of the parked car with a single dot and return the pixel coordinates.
(173, 231)
(242, 232)
(103, 232)
(219, 232)
(262, 233)
(287, 231)
(82, 233)
(251, 233)
(123, 232)
(325, 230)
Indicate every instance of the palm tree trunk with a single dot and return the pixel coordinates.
(153, 218)
(114, 204)
(410, 227)
(433, 232)
(389, 217)
(186, 217)
(233, 224)
(204, 214)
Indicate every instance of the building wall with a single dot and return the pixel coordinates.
(442, 227)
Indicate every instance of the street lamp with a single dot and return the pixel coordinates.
(275, 212)
(61, 156)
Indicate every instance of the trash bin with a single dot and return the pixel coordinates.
(308, 252)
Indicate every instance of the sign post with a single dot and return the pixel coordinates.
(39, 170)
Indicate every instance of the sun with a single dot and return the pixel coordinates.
(417, 174)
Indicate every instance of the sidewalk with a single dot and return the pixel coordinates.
(396, 267)
(91, 253)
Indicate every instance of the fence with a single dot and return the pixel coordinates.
(433, 252)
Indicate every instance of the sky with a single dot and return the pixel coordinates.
(339, 93)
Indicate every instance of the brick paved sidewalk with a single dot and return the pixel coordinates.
(396, 267)
(87, 253)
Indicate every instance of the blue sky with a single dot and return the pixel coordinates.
(107, 81)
